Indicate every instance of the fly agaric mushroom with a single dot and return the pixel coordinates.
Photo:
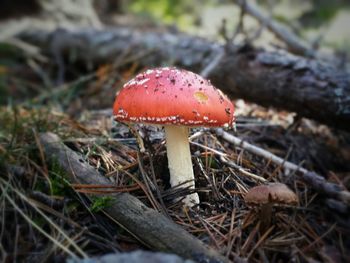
(267, 195)
(176, 99)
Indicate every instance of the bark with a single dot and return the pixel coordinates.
(308, 87)
(147, 225)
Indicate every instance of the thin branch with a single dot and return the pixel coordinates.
(294, 43)
(225, 159)
(214, 63)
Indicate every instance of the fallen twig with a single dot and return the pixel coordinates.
(224, 158)
(294, 43)
(311, 178)
(147, 225)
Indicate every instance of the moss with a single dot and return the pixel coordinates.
(100, 203)
(8, 51)
(212, 162)
(58, 180)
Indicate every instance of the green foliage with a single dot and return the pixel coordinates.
(99, 203)
(322, 12)
(59, 184)
(19, 125)
(18, 143)
(8, 51)
(180, 12)
(39, 221)
(166, 10)
(211, 162)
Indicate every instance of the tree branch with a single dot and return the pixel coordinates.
(293, 42)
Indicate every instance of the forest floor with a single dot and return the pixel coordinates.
(45, 218)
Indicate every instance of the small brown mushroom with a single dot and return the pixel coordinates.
(266, 196)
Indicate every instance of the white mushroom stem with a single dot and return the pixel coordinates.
(179, 160)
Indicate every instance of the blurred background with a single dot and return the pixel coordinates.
(322, 21)
(320, 24)
(319, 21)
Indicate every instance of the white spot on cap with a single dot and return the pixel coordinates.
(122, 113)
(149, 71)
(140, 82)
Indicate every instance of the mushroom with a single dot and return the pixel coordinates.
(267, 195)
(176, 99)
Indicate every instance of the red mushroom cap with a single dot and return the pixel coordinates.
(173, 96)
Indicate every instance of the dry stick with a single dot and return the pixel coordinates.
(313, 179)
(294, 43)
(147, 225)
(241, 170)
(231, 236)
(213, 64)
(223, 157)
(30, 50)
(148, 184)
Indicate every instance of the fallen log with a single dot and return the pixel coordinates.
(311, 88)
(149, 226)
